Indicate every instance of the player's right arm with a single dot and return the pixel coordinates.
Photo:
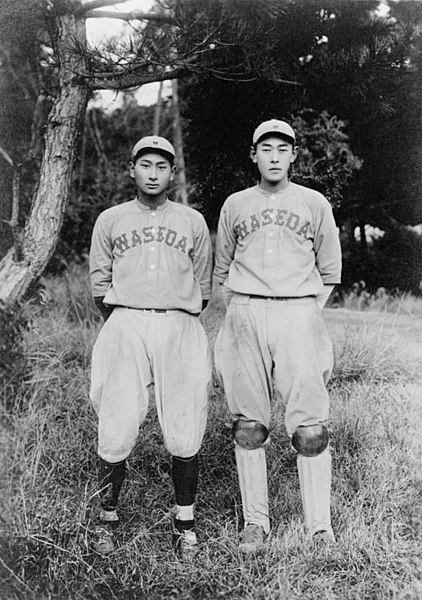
(224, 251)
(101, 265)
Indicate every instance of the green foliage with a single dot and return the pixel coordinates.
(325, 161)
(23, 66)
(13, 359)
(393, 261)
(398, 259)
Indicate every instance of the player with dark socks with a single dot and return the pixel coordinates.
(110, 481)
(185, 473)
(150, 267)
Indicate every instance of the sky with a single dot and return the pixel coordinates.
(98, 30)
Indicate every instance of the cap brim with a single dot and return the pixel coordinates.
(153, 150)
(279, 134)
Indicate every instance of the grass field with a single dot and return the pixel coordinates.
(48, 443)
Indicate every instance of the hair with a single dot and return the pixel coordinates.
(162, 153)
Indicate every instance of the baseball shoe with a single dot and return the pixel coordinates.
(104, 543)
(252, 539)
(324, 538)
(185, 542)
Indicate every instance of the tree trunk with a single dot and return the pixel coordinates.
(363, 240)
(182, 192)
(41, 232)
(157, 111)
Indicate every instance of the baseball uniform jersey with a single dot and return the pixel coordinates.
(154, 267)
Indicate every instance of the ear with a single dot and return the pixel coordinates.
(252, 154)
(132, 169)
(294, 154)
(172, 173)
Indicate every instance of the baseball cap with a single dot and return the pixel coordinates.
(273, 126)
(153, 143)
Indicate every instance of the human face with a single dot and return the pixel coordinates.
(273, 156)
(152, 174)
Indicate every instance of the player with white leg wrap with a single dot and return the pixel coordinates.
(277, 259)
(150, 267)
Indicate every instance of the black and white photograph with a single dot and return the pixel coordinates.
(211, 299)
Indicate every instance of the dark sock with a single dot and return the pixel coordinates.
(183, 525)
(110, 481)
(185, 473)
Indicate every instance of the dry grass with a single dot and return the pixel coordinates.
(48, 439)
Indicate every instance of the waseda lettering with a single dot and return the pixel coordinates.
(182, 244)
(279, 218)
(136, 238)
(241, 230)
(269, 216)
(148, 235)
(292, 221)
(160, 233)
(255, 223)
(126, 241)
(121, 243)
(170, 237)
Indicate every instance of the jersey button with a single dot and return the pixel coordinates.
(272, 197)
(152, 266)
(270, 251)
(153, 214)
(271, 234)
(152, 248)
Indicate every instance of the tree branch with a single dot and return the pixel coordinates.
(14, 220)
(6, 156)
(130, 16)
(93, 4)
(125, 80)
(16, 78)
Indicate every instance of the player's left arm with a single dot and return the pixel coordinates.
(327, 253)
(101, 266)
(202, 260)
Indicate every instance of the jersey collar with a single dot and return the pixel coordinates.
(147, 209)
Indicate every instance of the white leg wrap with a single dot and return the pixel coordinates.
(252, 472)
(315, 487)
(184, 513)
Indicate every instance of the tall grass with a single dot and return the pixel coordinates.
(48, 443)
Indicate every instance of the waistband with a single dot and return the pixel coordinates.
(160, 311)
(256, 297)
(257, 300)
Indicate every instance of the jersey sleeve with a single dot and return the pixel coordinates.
(202, 258)
(225, 245)
(327, 247)
(100, 259)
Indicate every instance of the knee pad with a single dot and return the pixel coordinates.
(310, 440)
(250, 435)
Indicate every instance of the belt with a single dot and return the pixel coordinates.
(256, 297)
(154, 310)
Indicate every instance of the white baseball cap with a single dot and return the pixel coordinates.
(273, 126)
(153, 143)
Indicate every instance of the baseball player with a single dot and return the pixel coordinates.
(150, 268)
(277, 260)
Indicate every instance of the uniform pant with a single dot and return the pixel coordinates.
(284, 340)
(134, 349)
